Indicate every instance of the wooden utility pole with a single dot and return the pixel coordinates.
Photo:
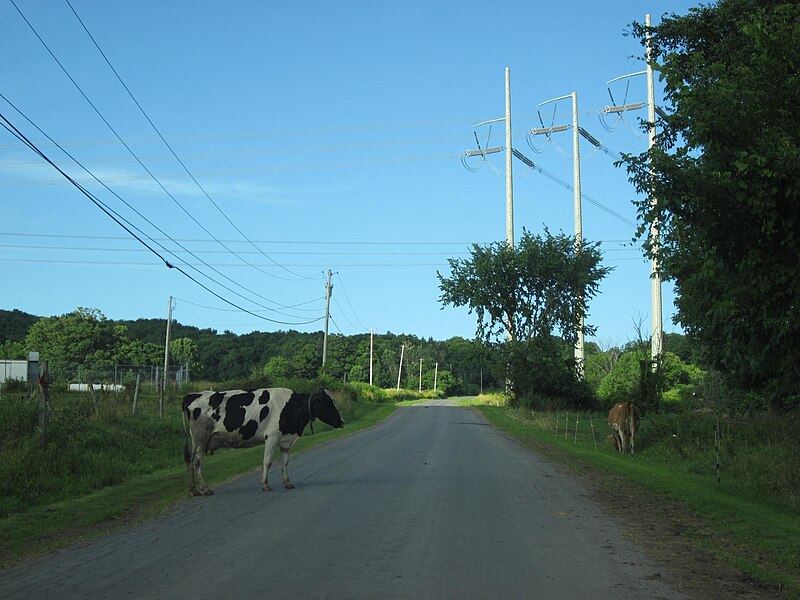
(400, 370)
(328, 290)
(371, 336)
(166, 361)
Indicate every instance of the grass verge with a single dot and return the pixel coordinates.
(57, 525)
(761, 540)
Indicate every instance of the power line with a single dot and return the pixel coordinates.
(194, 253)
(121, 199)
(127, 147)
(172, 151)
(96, 201)
(347, 297)
(282, 242)
(569, 186)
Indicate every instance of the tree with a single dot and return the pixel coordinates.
(534, 291)
(183, 351)
(12, 350)
(142, 353)
(277, 368)
(82, 337)
(725, 175)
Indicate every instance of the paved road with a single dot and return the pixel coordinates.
(432, 503)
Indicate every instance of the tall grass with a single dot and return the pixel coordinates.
(83, 448)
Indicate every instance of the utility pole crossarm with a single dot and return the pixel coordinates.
(492, 150)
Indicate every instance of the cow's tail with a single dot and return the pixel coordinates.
(187, 452)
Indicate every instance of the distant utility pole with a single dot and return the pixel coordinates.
(656, 310)
(371, 335)
(578, 218)
(420, 375)
(400, 370)
(328, 290)
(166, 361)
(435, 377)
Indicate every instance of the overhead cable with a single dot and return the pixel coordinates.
(172, 151)
(127, 147)
(20, 136)
(143, 217)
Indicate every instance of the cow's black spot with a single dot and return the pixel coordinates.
(187, 400)
(216, 399)
(215, 416)
(264, 397)
(196, 413)
(235, 410)
(248, 430)
(263, 414)
(294, 415)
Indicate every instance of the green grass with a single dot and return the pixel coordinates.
(79, 502)
(766, 524)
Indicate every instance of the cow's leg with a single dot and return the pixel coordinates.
(190, 474)
(199, 455)
(285, 469)
(623, 442)
(269, 451)
(630, 440)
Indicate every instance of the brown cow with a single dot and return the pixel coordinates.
(624, 422)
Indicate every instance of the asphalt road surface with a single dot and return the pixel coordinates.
(431, 503)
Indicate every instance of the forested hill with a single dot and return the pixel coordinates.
(14, 324)
(459, 364)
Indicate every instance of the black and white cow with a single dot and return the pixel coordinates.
(240, 419)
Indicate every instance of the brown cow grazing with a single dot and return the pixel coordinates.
(624, 422)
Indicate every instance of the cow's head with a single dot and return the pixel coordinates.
(324, 408)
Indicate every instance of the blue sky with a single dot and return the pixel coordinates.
(327, 135)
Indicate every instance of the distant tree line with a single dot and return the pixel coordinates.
(86, 337)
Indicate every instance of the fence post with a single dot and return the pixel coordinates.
(575, 441)
(136, 393)
(566, 426)
(591, 424)
(44, 404)
(91, 393)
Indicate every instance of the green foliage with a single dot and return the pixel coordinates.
(727, 166)
(84, 451)
(12, 350)
(138, 352)
(631, 375)
(183, 351)
(539, 288)
(277, 368)
(14, 325)
(543, 372)
(280, 355)
(84, 336)
(530, 292)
